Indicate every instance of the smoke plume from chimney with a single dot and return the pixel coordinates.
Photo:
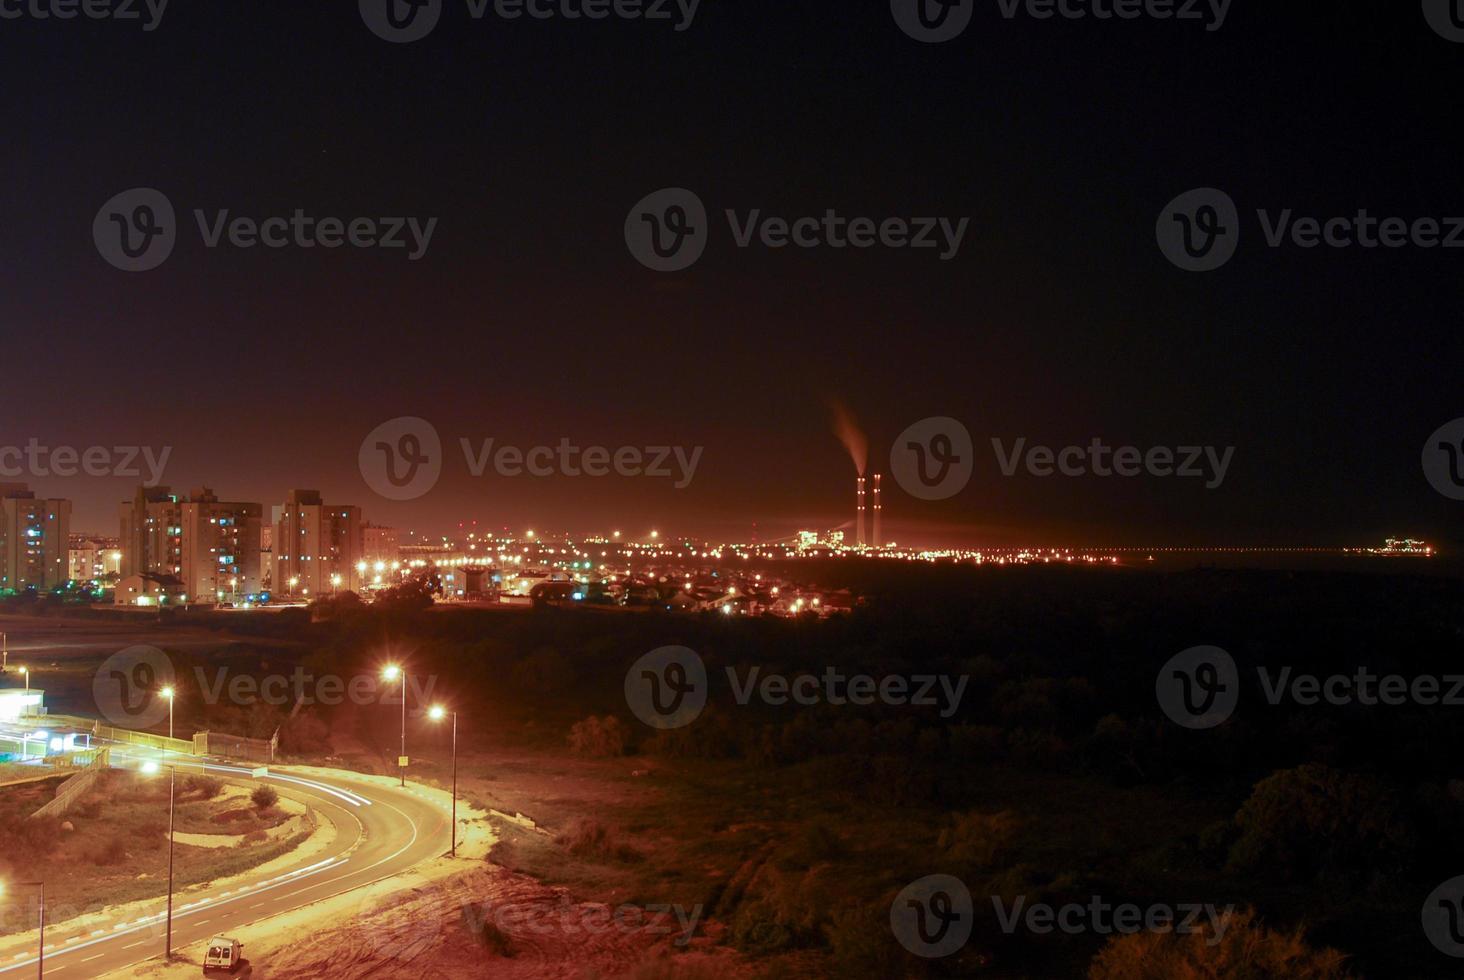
(850, 435)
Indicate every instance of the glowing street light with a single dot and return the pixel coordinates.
(26, 672)
(41, 943)
(437, 713)
(169, 693)
(391, 673)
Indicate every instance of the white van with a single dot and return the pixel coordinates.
(223, 954)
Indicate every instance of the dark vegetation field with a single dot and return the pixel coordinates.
(1058, 778)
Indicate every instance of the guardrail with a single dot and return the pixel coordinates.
(71, 790)
(178, 746)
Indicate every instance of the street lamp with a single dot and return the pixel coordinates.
(151, 767)
(391, 673)
(41, 943)
(168, 693)
(437, 713)
(26, 672)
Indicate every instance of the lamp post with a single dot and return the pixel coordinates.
(169, 693)
(436, 714)
(391, 673)
(41, 914)
(26, 672)
(152, 767)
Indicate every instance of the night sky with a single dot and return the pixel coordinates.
(528, 320)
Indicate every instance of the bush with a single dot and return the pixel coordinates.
(1316, 822)
(206, 787)
(598, 738)
(1247, 951)
(111, 853)
(592, 839)
(264, 798)
(975, 841)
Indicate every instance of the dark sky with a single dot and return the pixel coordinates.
(528, 320)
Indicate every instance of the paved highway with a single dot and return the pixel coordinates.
(381, 831)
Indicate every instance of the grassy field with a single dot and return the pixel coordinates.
(117, 849)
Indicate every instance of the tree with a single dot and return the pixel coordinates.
(1244, 950)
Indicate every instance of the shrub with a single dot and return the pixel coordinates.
(206, 787)
(977, 840)
(593, 840)
(598, 738)
(1316, 822)
(111, 853)
(1247, 950)
(264, 798)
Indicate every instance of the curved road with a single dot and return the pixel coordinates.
(381, 831)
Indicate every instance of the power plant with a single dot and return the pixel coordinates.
(859, 491)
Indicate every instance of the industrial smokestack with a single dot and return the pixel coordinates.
(878, 509)
(861, 512)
